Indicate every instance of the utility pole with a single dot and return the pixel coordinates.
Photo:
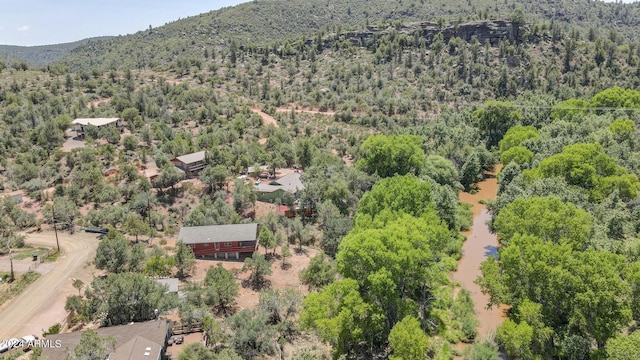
(10, 260)
(55, 228)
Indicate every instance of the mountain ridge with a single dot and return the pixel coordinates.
(260, 23)
(40, 55)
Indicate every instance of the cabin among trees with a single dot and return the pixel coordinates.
(80, 125)
(221, 240)
(275, 189)
(144, 340)
(191, 164)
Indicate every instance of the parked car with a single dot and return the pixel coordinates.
(178, 339)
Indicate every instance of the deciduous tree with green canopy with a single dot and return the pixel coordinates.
(407, 340)
(586, 291)
(516, 339)
(340, 316)
(471, 171)
(495, 118)
(397, 259)
(516, 135)
(406, 194)
(548, 218)
(442, 171)
(566, 110)
(624, 130)
(266, 239)
(391, 155)
(616, 97)
(518, 154)
(159, 266)
(588, 166)
(624, 347)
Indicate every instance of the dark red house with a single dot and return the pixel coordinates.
(221, 240)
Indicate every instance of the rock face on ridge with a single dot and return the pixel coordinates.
(492, 31)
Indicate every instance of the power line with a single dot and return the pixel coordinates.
(595, 108)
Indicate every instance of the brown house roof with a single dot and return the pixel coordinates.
(190, 158)
(137, 341)
(218, 233)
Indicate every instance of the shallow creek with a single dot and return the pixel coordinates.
(480, 244)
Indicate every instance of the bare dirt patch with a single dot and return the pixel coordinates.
(175, 349)
(280, 278)
(268, 119)
(96, 103)
(71, 141)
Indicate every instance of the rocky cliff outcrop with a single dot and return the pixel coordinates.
(485, 31)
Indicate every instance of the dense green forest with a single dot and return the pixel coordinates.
(390, 120)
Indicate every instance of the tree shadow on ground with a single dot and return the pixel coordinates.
(256, 285)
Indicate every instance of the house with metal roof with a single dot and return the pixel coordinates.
(275, 189)
(191, 164)
(221, 241)
(80, 125)
(145, 340)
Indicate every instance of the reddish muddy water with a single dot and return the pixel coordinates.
(480, 244)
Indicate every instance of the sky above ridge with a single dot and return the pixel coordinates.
(46, 22)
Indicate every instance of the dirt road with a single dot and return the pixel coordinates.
(42, 303)
(266, 118)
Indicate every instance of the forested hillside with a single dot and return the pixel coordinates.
(267, 22)
(37, 56)
(388, 121)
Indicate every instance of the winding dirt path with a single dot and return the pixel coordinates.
(268, 119)
(480, 244)
(42, 303)
(306, 111)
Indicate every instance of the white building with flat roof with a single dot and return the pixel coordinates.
(79, 125)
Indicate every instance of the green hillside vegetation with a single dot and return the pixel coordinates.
(260, 24)
(37, 56)
(389, 123)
